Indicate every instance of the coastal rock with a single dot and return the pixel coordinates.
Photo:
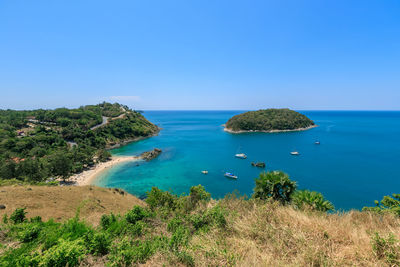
(149, 155)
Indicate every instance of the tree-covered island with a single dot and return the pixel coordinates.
(268, 120)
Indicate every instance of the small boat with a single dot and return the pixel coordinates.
(230, 175)
(317, 142)
(295, 153)
(258, 164)
(241, 156)
(204, 172)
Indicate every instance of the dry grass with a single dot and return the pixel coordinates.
(267, 234)
(62, 202)
(257, 233)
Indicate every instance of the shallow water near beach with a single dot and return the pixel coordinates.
(356, 163)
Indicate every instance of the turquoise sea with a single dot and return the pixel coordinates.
(357, 162)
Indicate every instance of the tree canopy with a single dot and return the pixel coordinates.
(38, 144)
(268, 120)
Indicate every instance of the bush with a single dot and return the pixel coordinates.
(179, 238)
(387, 204)
(217, 216)
(125, 252)
(107, 220)
(158, 198)
(198, 193)
(65, 253)
(387, 249)
(18, 216)
(136, 214)
(174, 223)
(304, 199)
(30, 233)
(99, 243)
(274, 185)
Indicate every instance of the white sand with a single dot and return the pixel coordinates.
(87, 177)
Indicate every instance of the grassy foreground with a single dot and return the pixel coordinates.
(195, 230)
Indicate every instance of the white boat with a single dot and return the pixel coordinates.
(241, 156)
(230, 175)
(317, 142)
(204, 172)
(295, 153)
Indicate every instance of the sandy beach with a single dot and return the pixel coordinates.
(87, 177)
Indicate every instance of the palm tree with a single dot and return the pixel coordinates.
(305, 199)
(274, 185)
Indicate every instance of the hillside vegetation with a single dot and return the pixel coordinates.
(275, 227)
(39, 144)
(268, 120)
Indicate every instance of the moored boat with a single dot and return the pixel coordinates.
(241, 156)
(230, 175)
(204, 172)
(317, 142)
(258, 164)
(295, 153)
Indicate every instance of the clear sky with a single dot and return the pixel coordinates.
(205, 54)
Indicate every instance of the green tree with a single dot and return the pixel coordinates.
(61, 165)
(274, 185)
(104, 155)
(305, 199)
(387, 204)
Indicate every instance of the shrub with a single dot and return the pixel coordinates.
(198, 193)
(217, 216)
(99, 243)
(158, 198)
(174, 223)
(107, 220)
(136, 214)
(387, 249)
(179, 238)
(18, 216)
(65, 253)
(36, 219)
(387, 204)
(30, 233)
(275, 185)
(73, 229)
(304, 199)
(125, 252)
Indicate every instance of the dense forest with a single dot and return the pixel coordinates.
(39, 144)
(268, 120)
(277, 226)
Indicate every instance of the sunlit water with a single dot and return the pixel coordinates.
(357, 161)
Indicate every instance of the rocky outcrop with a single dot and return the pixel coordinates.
(149, 155)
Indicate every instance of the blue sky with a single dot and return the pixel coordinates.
(206, 54)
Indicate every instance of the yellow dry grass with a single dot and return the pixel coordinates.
(62, 202)
(268, 234)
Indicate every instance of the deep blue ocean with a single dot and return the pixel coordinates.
(357, 162)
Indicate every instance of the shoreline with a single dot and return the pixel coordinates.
(271, 131)
(128, 141)
(88, 176)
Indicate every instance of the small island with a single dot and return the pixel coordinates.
(269, 121)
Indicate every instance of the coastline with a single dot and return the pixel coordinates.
(88, 176)
(271, 131)
(128, 141)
